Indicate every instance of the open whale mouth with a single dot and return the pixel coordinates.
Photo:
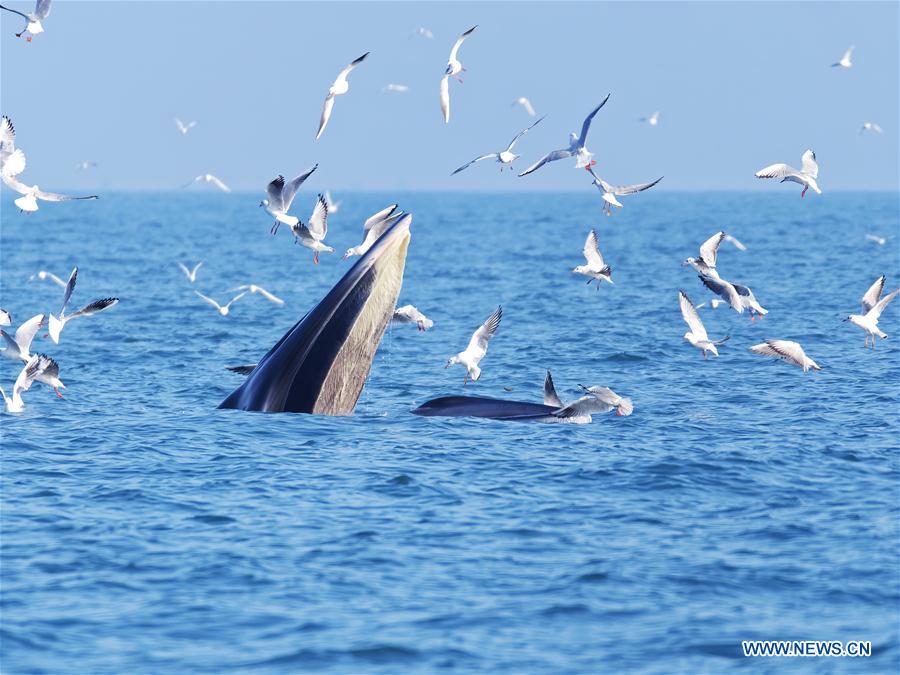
(321, 364)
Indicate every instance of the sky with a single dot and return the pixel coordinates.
(739, 85)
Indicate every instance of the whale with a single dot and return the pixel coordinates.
(486, 407)
(321, 364)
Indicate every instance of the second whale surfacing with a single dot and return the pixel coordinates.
(321, 364)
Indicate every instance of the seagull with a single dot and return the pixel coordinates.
(409, 314)
(597, 400)
(5, 318)
(44, 276)
(396, 88)
(340, 86)
(184, 128)
(222, 309)
(845, 61)
(253, 288)
(872, 309)
(208, 178)
(423, 32)
(56, 324)
(610, 400)
(737, 244)
(18, 348)
(85, 165)
(706, 263)
(23, 383)
(332, 205)
(725, 290)
(13, 165)
(50, 375)
(525, 103)
(595, 269)
(806, 176)
(454, 68)
(191, 274)
(697, 335)
(871, 126)
(312, 234)
(504, 157)
(374, 227)
(33, 20)
(787, 351)
(609, 192)
(576, 146)
(653, 120)
(281, 196)
(878, 239)
(477, 348)
(7, 139)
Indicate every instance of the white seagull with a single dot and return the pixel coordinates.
(725, 290)
(253, 288)
(697, 335)
(56, 324)
(340, 86)
(396, 88)
(5, 318)
(871, 126)
(374, 227)
(409, 314)
(872, 309)
(845, 61)
(311, 234)
(23, 383)
(184, 128)
(595, 269)
(477, 348)
(208, 178)
(706, 263)
(526, 104)
(504, 157)
(13, 165)
(43, 275)
(806, 176)
(222, 309)
(332, 205)
(191, 274)
(50, 375)
(787, 351)
(714, 303)
(454, 68)
(18, 348)
(280, 197)
(421, 31)
(598, 400)
(878, 239)
(609, 192)
(653, 120)
(7, 139)
(33, 19)
(85, 165)
(576, 146)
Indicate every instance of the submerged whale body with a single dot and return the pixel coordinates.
(490, 408)
(321, 364)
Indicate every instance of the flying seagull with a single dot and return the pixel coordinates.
(845, 61)
(253, 288)
(311, 234)
(5, 318)
(478, 344)
(595, 269)
(56, 324)
(706, 263)
(222, 309)
(396, 88)
(653, 120)
(184, 128)
(23, 383)
(85, 165)
(409, 314)
(878, 239)
(191, 274)
(208, 178)
(33, 19)
(421, 31)
(787, 351)
(18, 348)
(280, 196)
(576, 146)
(526, 104)
(504, 157)
(871, 126)
(13, 165)
(454, 68)
(340, 86)
(610, 192)
(872, 309)
(806, 176)
(332, 205)
(697, 334)
(374, 227)
(45, 276)
(596, 401)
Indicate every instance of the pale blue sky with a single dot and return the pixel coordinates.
(740, 85)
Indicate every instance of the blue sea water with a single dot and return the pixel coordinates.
(145, 531)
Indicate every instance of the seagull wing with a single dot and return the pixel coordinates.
(209, 300)
(290, 188)
(326, 114)
(268, 296)
(15, 11)
(236, 298)
(54, 197)
(94, 307)
(691, 317)
(379, 217)
(459, 41)
(737, 244)
(870, 299)
(14, 164)
(42, 9)
(70, 286)
(342, 76)
(776, 171)
(527, 105)
(710, 248)
(32, 369)
(445, 98)
(275, 192)
(520, 134)
(550, 396)
(724, 290)
(318, 221)
(219, 184)
(876, 311)
(630, 189)
(194, 271)
(808, 164)
(491, 155)
(586, 125)
(781, 349)
(26, 332)
(549, 157)
(480, 338)
(184, 269)
(7, 135)
(592, 251)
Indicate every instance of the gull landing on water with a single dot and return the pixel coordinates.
(33, 20)
(609, 192)
(280, 197)
(787, 351)
(312, 234)
(56, 324)
(340, 86)
(208, 178)
(409, 314)
(477, 348)
(806, 176)
(26, 378)
(191, 274)
(504, 157)
(576, 147)
(595, 269)
(697, 335)
(846, 60)
(872, 309)
(375, 225)
(454, 68)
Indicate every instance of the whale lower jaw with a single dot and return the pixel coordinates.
(494, 409)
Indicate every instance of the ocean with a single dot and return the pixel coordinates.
(145, 531)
